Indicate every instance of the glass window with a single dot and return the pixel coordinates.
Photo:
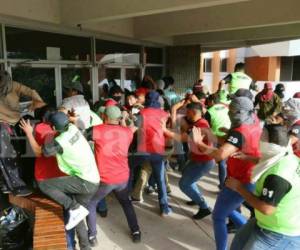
(296, 68)
(115, 52)
(40, 79)
(286, 68)
(155, 72)
(32, 44)
(132, 78)
(110, 76)
(154, 55)
(223, 65)
(207, 65)
(82, 75)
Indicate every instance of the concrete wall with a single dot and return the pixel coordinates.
(183, 63)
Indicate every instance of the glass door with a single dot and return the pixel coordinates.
(40, 79)
(132, 78)
(83, 75)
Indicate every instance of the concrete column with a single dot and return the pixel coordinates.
(274, 69)
(231, 61)
(216, 60)
(201, 75)
(183, 63)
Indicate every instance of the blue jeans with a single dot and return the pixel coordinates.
(191, 174)
(252, 237)
(158, 172)
(70, 235)
(227, 203)
(222, 172)
(122, 194)
(101, 206)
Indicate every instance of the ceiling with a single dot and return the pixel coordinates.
(214, 24)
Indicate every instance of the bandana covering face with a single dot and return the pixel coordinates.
(241, 111)
(5, 84)
(267, 92)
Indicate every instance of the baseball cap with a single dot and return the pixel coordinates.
(113, 112)
(110, 102)
(59, 120)
(296, 95)
(74, 85)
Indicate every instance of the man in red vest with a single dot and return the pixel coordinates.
(242, 150)
(112, 142)
(151, 145)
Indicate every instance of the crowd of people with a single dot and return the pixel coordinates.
(124, 143)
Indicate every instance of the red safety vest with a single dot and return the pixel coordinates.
(242, 169)
(151, 138)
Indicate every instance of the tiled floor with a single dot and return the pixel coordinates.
(176, 232)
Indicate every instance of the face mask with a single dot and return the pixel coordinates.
(281, 95)
(117, 98)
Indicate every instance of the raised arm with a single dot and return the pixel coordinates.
(28, 130)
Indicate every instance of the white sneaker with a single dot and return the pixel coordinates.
(76, 216)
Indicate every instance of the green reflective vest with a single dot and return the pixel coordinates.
(219, 118)
(223, 95)
(239, 80)
(286, 219)
(77, 158)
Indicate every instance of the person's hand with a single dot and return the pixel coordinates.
(240, 155)
(224, 130)
(72, 116)
(276, 119)
(233, 184)
(197, 135)
(26, 126)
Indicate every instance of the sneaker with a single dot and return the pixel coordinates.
(136, 236)
(231, 229)
(76, 216)
(166, 211)
(5, 190)
(149, 190)
(202, 213)
(134, 200)
(191, 203)
(102, 213)
(23, 192)
(93, 241)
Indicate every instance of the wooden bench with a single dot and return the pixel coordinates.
(49, 229)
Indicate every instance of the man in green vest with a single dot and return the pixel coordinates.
(76, 159)
(218, 119)
(237, 80)
(276, 201)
